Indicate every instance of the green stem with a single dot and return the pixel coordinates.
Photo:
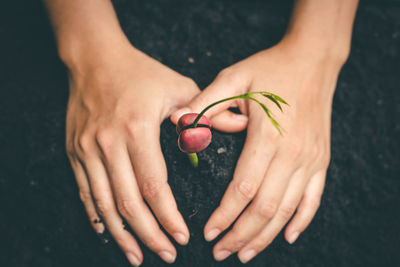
(249, 95)
(216, 103)
(194, 160)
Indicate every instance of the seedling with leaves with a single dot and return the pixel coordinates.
(194, 129)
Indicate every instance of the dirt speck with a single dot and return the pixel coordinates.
(221, 150)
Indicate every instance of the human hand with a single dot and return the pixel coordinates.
(115, 108)
(287, 171)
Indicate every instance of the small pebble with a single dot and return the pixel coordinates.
(191, 60)
(105, 237)
(103, 240)
(221, 150)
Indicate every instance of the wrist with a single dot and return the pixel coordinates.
(322, 29)
(79, 53)
(332, 53)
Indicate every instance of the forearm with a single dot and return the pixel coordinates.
(323, 27)
(85, 29)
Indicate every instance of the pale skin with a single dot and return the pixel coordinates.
(116, 106)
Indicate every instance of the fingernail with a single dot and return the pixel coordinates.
(293, 237)
(132, 259)
(166, 256)
(247, 255)
(212, 234)
(180, 238)
(222, 255)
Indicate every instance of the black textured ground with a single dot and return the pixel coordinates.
(42, 222)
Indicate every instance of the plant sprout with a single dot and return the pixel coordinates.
(194, 129)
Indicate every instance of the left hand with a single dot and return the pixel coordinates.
(278, 174)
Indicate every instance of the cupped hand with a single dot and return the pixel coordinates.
(279, 175)
(115, 108)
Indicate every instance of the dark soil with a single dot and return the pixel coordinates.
(42, 221)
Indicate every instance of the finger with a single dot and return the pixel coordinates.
(260, 211)
(129, 201)
(307, 208)
(229, 122)
(104, 202)
(286, 209)
(151, 174)
(86, 197)
(225, 121)
(223, 86)
(244, 185)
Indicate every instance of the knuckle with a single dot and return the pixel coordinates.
(132, 129)
(127, 207)
(267, 211)
(295, 150)
(136, 128)
(246, 189)
(152, 188)
(104, 207)
(286, 212)
(104, 138)
(85, 143)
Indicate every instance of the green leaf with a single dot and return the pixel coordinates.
(267, 94)
(279, 99)
(273, 121)
(275, 124)
(273, 100)
(264, 107)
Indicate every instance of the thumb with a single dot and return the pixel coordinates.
(221, 118)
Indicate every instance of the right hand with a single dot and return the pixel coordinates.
(115, 108)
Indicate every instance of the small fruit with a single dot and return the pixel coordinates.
(193, 139)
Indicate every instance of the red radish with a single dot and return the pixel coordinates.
(192, 140)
